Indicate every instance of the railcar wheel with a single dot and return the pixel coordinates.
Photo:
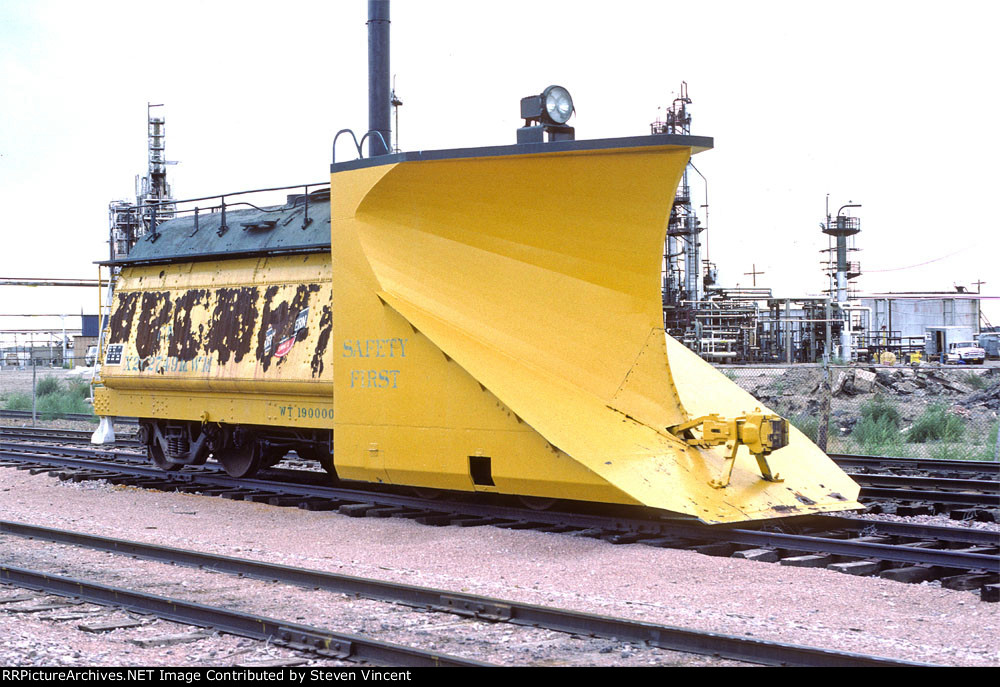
(428, 493)
(537, 502)
(156, 457)
(241, 462)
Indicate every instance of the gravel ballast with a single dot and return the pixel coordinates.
(817, 607)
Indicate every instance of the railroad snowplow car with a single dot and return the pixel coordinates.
(489, 322)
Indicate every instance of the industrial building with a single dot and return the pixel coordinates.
(751, 324)
(46, 347)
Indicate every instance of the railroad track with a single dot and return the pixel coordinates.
(317, 640)
(339, 645)
(947, 483)
(26, 415)
(923, 466)
(960, 557)
(919, 473)
(63, 436)
(974, 496)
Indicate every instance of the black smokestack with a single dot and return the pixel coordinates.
(378, 77)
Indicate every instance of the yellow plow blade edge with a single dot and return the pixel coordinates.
(498, 327)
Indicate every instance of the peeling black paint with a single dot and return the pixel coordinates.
(265, 322)
(155, 313)
(165, 324)
(183, 344)
(121, 321)
(230, 330)
(325, 329)
(282, 319)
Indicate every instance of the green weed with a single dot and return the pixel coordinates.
(52, 406)
(936, 424)
(17, 401)
(48, 385)
(976, 381)
(79, 389)
(878, 435)
(878, 410)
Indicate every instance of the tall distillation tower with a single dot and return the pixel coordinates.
(841, 230)
(153, 200)
(682, 285)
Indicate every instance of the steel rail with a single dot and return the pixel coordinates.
(983, 492)
(81, 436)
(488, 608)
(986, 466)
(914, 555)
(295, 635)
(958, 560)
(935, 483)
(66, 416)
(916, 483)
(73, 457)
(953, 498)
(964, 535)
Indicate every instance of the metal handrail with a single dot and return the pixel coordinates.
(357, 145)
(152, 235)
(158, 204)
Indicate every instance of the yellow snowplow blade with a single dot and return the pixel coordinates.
(498, 327)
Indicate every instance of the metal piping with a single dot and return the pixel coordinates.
(379, 100)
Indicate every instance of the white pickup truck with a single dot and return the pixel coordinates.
(965, 353)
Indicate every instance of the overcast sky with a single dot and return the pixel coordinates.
(889, 104)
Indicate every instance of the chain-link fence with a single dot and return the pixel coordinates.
(924, 411)
(46, 392)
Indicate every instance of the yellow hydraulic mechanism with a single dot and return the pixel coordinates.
(761, 433)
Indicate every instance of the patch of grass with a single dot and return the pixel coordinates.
(52, 400)
(79, 389)
(936, 424)
(877, 431)
(947, 451)
(878, 435)
(48, 385)
(976, 381)
(989, 450)
(848, 444)
(809, 425)
(17, 401)
(52, 406)
(878, 410)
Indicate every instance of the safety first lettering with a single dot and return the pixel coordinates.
(374, 378)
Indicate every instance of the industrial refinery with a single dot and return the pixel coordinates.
(726, 322)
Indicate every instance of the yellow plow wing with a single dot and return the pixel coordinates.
(498, 327)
